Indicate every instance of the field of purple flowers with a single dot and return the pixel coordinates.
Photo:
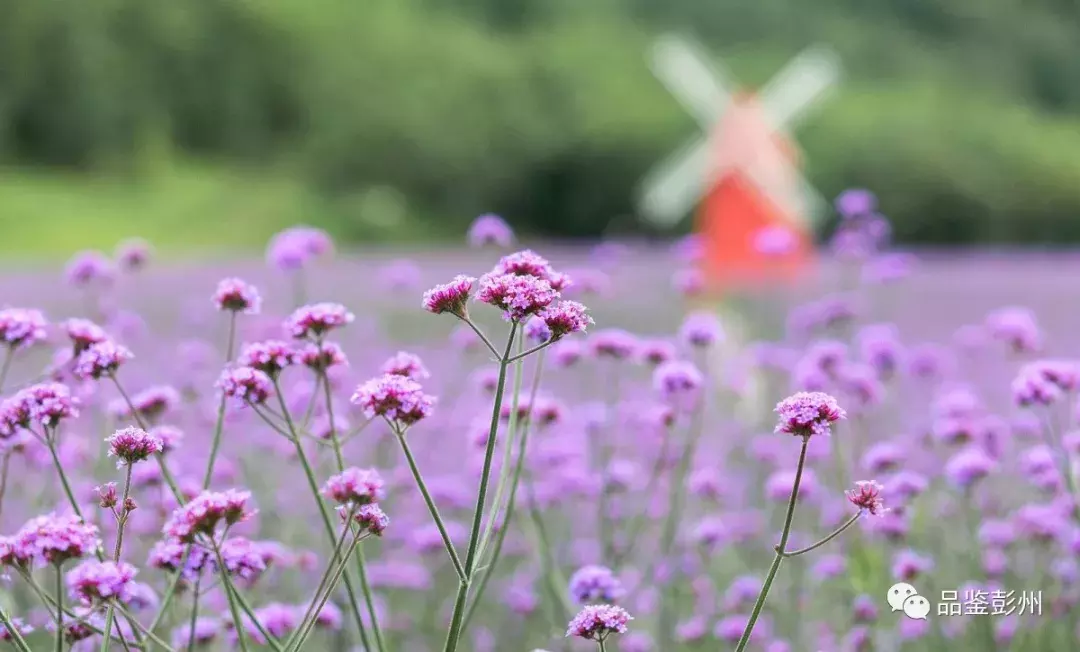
(451, 452)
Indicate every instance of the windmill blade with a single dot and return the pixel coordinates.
(689, 74)
(670, 191)
(802, 83)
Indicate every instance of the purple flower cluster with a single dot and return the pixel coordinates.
(245, 385)
(808, 413)
(203, 513)
(316, 320)
(21, 328)
(597, 622)
(237, 296)
(51, 539)
(131, 445)
(94, 581)
(590, 584)
(100, 359)
(270, 357)
(44, 405)
(398, 399)
(354, 487)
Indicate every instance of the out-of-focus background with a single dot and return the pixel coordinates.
(210, 124)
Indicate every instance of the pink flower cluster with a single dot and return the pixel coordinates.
(269, 357)
(867, 496)
(235, 295)
(595, 622)
(21, 328)
(517, 296)
(355, 486)
(93, 581)
(83, 333)
(100, 359)
(406, 364)
(396, 398)
(51, 539)
(45, 404)
(130, 445)
(450, 297)
(314, 321)
(203, 513)
(151, 403)
(371, 518)
(246, 385)
(808, 413)
(322, 356)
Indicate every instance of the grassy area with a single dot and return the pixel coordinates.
(183, 210)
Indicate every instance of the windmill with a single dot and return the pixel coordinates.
(742, 172)
(743, 169)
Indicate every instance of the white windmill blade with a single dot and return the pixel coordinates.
(802, 82)
(675, 186)
(688, 73)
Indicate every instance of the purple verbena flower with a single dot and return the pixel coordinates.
(490, 230)
(355, 486)
(246, 385)
(518, 296)
(399, 399)
(53, 539)
(590, 584)
(867, 496)
(564, 318)
(406, 364)
(130, 445)
(805, 414)
(270, 357)
(22, 328)
(100, 359)
(93, 581)
(203, 513)
(371, 518)
(316, 320)
(597, 622)
(236, 295)
(322, 356)
(452, 297)
(701, 329)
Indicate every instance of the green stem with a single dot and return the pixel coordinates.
(331, 532)
(60, 610)
(170, 593)
(361, 570)
(323, 581)
(837, 532)
(138, 626)
(500, 535)
(512, 435)
(600, 643)
(230, 595)
(400, 434)
(121, 522)
(5, 467)
(760, 603)
(326, 595)
(535, 349)
(51, 445)
(194, 611)
(16, 637)
(481, 497)
(480, 334)
(219, 425)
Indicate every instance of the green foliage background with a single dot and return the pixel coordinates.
(194, 120)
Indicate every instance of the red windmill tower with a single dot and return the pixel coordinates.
(755, 211)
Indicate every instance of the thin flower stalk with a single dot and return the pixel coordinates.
(500, 536)
(121, 523)
(780, 549)
(331, 531)
(16, 638)
(361, 569)
(194, 612)
(219, 424)
(481, 497)
(60, 611)
(835, 533)
(310, 612)
(341, 570)
(512, 434)
(399, 433)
